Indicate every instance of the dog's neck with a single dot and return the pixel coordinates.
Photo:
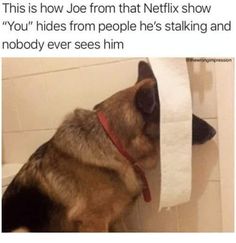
(82, 137)
(118, 144)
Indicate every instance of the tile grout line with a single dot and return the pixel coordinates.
(218, 143)
(31, 130)
(177, 219)
(54, 128)
(69, 69)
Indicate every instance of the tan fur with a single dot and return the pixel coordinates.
(21, 230)
(83, 170)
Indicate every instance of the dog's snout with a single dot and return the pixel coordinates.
(201, 130)
(212, 133)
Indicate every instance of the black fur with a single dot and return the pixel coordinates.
(201, 131)
(27, 206)
(144, 71)
(147, 102)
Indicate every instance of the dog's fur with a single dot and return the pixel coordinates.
(78, 181)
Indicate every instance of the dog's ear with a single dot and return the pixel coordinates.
(146, 99)
(201, 131)
(144, 71)
(147, 103)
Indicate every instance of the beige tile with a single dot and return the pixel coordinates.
(203, 88)
(4, 189)
(155, 221)
(14, 67)
(225, 94)
(146, 217)
(32, 103)
(167, 220)
(203, 212)
(86, 87)
(9, 107)
(43, 100)
(52, 64)
(205, 158)
(18, 146)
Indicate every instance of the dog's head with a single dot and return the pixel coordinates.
(201, 130)
(134, 115)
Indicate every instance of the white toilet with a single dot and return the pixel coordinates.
(8, 173)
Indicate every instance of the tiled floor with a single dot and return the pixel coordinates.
(37, 93)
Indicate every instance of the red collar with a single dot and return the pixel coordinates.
(116, 141)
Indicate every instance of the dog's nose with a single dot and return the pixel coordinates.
(201, 130)
(212, 133)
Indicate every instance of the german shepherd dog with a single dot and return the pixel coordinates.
(83, 179)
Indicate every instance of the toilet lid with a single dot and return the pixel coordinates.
(8, 172)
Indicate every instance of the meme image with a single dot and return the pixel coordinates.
(116, 144)
(118, 121)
